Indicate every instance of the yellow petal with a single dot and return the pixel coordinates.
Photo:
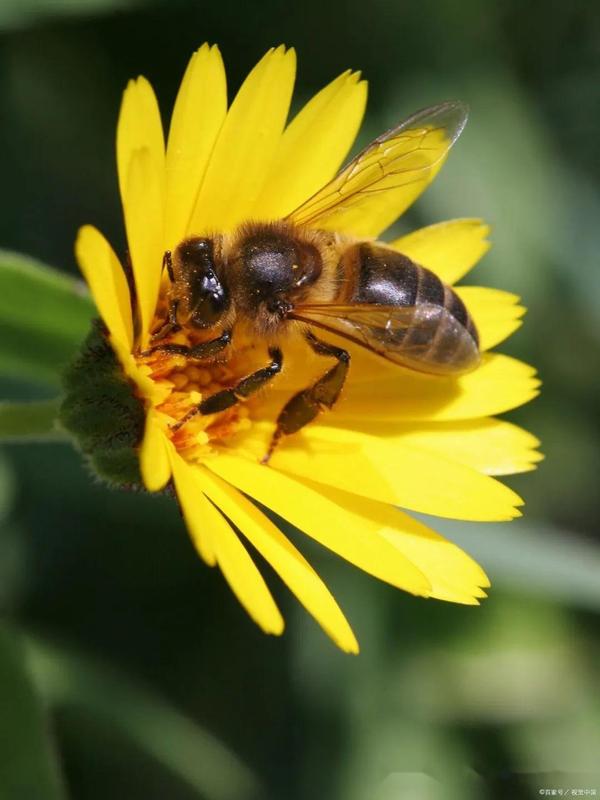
(154, 393)
(409, 476)
(198, 114)
(141, 169)
(326, 459)
(452, 574)
(350, 535)
(107, 282)
(313, 146)
(430, 483)
(450, 249)
(246, 145)
(491, 446)
(144, 221)
(154, 457)
(284, 558)
(241, 573)
(393, 471)
(189, 488)
(499, 384)
(139, 127)
(215, 540)
(496, 314)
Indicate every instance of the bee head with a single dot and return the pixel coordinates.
(205, 293)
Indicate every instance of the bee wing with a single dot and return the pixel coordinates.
(387, 176)
(406, 335)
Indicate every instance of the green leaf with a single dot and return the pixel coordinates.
(30, 422)
(44, 317)
(190, 752)
(28, 763)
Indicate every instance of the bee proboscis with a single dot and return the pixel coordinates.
(300, 273)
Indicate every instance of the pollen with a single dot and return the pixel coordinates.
(179, 379)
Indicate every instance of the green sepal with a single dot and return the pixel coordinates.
(102, 411)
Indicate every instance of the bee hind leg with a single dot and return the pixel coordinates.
(304, 406)
(220, 401)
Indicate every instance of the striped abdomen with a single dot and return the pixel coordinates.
(431, 330)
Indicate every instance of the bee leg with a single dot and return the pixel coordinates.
(304, 406)
(241, 391)
(171, 326)
(199, 351)
(168, 263)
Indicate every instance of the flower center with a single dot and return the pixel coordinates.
(185, 382)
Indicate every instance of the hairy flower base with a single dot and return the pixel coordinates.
(102, 411)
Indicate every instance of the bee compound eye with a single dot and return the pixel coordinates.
(211, 301)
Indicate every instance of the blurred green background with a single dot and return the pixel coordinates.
(127, 668)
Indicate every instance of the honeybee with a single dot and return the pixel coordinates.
(299, 272)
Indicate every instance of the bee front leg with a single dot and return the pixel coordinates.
(199, 351)
(241, 391)
(304, 406)
(171, 325)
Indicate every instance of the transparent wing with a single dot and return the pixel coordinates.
(387, 176)
(425, 337)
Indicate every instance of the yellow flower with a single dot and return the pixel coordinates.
(396, 438)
